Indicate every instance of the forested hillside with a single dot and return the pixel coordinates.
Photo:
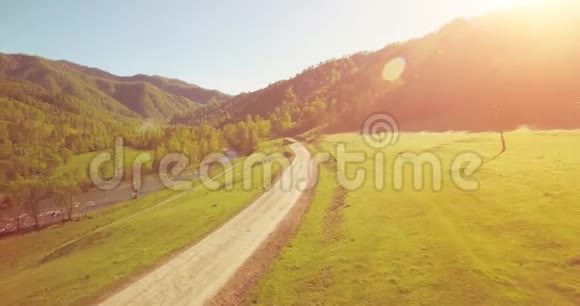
(51, 110)
(54, 110)
(501, 71)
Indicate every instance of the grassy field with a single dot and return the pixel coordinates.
(515, 241)
(79, 164)
(40, 268)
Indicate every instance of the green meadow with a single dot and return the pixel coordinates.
(514, 241)
(79, 261)
(79, 164)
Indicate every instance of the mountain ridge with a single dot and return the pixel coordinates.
(175, 86)
(498, 71)
(145, 96)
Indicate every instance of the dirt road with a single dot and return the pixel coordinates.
(196, 275)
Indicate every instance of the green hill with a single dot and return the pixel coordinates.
(52, 110)
(139, 96)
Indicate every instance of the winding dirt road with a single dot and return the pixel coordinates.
(197, 274)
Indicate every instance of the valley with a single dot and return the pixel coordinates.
(433, 169)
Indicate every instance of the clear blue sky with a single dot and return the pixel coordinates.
(232, 45)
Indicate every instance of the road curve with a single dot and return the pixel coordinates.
(197, 274)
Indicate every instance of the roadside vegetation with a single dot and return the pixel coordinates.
(77, 262)
(512, 242)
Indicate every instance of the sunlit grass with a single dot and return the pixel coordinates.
(515, 241)
(78, 165)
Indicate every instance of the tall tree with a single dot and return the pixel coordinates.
(63, 190)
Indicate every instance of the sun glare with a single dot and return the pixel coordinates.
(393, 69)
(484, 7)
(506, 4)
(514, 3)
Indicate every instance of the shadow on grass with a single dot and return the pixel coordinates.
(82, 243)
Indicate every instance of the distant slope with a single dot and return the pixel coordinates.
(512, 68)
(49, 82)
(173, 86)
(140, 96)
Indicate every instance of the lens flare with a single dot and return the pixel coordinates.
(394, 69)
